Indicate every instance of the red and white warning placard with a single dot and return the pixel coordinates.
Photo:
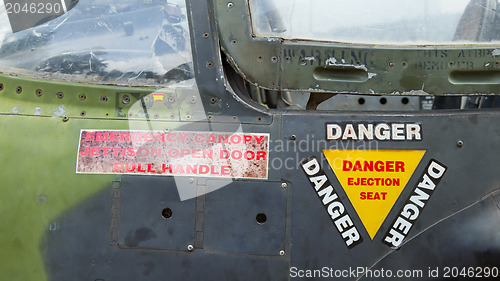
(206, 154)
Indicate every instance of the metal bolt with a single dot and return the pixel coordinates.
(293, 137)
(284, 185)
(65, 118)
(282, 253)
(460, 143)
(230, 5)
(190, 247)
(126, 99)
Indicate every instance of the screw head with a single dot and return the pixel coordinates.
(190, 247)
(125, 99)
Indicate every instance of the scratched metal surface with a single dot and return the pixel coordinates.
(471, 176)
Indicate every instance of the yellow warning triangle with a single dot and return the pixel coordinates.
(373, 180)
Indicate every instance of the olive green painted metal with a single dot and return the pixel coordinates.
(57, 99)
(293, 65)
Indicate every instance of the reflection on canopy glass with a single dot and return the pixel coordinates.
(120, 42)
(378, 22)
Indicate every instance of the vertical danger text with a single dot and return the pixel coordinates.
(332, 203)
(415, 204)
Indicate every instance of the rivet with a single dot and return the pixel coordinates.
(65, 118)
(293, 137)
(190, 247)
(125, 99)
(230, 5)
(284, 185)
(104, 99)
(282, 253)
(83, 96)
(60, 95)
(460, 143)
